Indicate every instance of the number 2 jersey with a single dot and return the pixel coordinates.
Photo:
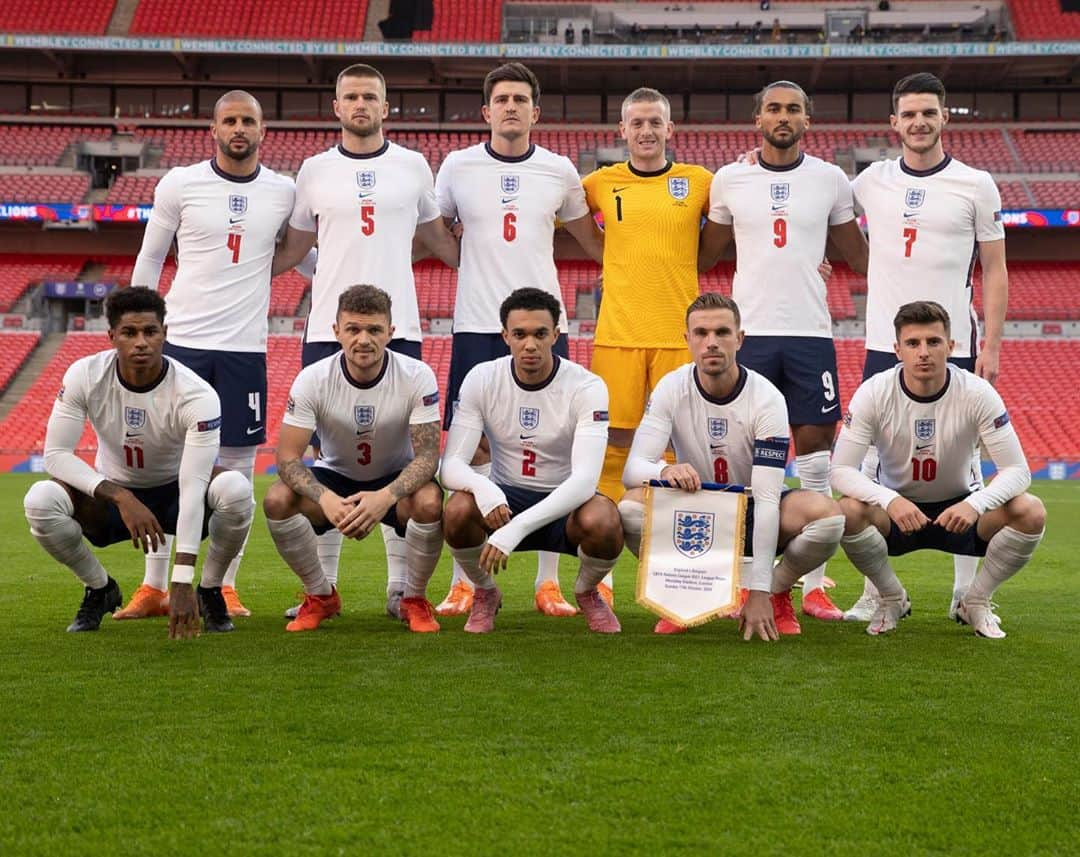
(226, 230)
(924, 227)
(364, 428)
(924, 443)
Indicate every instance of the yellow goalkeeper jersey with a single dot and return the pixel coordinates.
(652, 228)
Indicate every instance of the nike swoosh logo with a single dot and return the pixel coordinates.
(527, 436)
(507, 199)
(779, 207)
(132, 434)
(911, 214)
(254, 430)
(233, 220)
(924, 446)
(825, 410)
(366, 195)
(619, 189)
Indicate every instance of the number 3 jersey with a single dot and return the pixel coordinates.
(141, 431)
(924, 443)
(364, 427)
(924, 227)
(226, 232)
(531, 428)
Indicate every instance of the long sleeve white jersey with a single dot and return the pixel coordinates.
(741, 439)
(509, 208)
(364, 210)
(548, 437)
(226, 230)
(147, 436)
(781, 218)
(364, 428)
(925, 226)
(924, 443)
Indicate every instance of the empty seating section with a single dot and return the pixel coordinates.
(19, 270)
(14, 349)
(1047, 151)
(253, 19)
(463, 21)
(37, 187)
(132, 190)
(117, 269)
(1040, 290)
(42, 145)
(1043, 19)
(1014, 194)
(1038, 382)
(89, 17)
(1055, 194)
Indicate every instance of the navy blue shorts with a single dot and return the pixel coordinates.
(469, 349)
(239, 377)
(748, 529)
(162, 500)
(879, 361)
(551, 537)
(343, 486)
(803, 368)
(935, 538)
(313, 352)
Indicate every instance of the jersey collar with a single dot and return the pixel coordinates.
(366, 385)
(730, 397)
(510, 159)
(648, 174)
(772, 168)
(911, 171)
(232, 177)
(532, 388)
(145, 388)
(925, 399)
(380, 151)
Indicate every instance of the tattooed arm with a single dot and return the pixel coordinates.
(425, 444)
(290, 463)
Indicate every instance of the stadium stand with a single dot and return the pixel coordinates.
(117, 269)
(253, 19)
(1055, 194)
(1040, 291)
(18, 271)
(89, 17)
(132, 190)
(463, 21)
(43, 145)
(15, 347)
(1043, 19)
(1046, 150)
(37, 187)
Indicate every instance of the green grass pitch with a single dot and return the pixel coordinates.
(539, 738)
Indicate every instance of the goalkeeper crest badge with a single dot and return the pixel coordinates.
(679, 188)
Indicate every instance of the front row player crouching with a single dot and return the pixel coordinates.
(925, 417)
(728, 424)
(546, 420)
(377, 415)
(157, 425)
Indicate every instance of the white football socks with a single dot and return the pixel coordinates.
(49, 512)
(329, 553)
(547, 568)
(633, 521)
(298, 545)
(397, 568)
(240, 459)
(813, 470)
(1008, 552)
(810, 549)
(423, 546)
(869, 553)
(469, 559)
(232, 508)
(156, 573)
(593, 570)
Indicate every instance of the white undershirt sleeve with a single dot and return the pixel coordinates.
(847, 477)
(1013, 476)
(61, 437)
(646, 458)
(196, 467)
(767, 482)
(456, 474)
(151, 259)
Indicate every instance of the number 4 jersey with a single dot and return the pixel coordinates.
(226, 231)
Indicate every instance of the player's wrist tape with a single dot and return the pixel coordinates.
(183, 574)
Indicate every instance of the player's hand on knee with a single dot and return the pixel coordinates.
(146, 532)
(756, 617)
(958, 518)
(497, 517)
(681, 476)
(492, 559)
(183, 612)
(907, 516)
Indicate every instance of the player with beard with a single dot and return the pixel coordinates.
(930, 217)
(364, 201)
(226, 215)
(781, 210)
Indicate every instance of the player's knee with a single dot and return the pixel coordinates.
(632, 515)
(230, 492)
(1027, 514)
(427, 504)
(280, 502)
(459, 513)
(855, 515)
(601, 528)
(47, 501)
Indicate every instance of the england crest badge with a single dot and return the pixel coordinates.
(679, 188)
(509, 183)
(135, 418)
(914, 196)
(364, 415)
(365, 179)
(693, 532)
(924, 429)
(529, 418)
(717, 428)
(780, 191)
(237, 204)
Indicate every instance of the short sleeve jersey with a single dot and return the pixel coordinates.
(781, 218)
(509, 208)
(365, 210)
(226, 232)
(141, 431)
(925, 226)
(531, 428)
(652, 231)
(722, 439)
(364, 428)
(924, 443)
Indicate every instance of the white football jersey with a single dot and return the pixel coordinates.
(925, 226)
(781, 218)
(365, 210)
(924, 443)
(141, 431)
(531, 429)
(226, 231)
(722, 439)
(509, 208)
(364, 428)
